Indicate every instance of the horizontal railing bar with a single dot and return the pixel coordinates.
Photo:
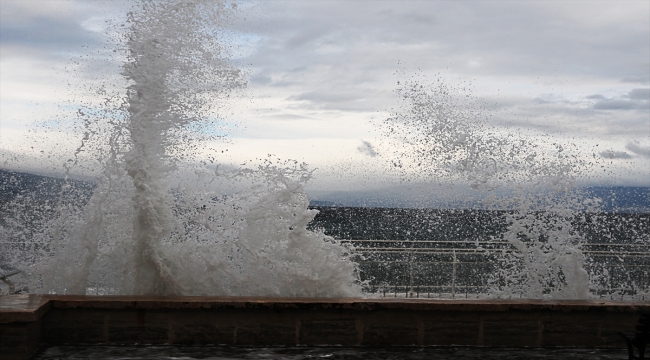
(421, 262)
(426, 241)
(474, 262)
(459, 288)
(448, 251)
(617, 245)
(22, 242)
(417, 249)
(609, 253)
(635, 255)
(387, 286)
(474, 242)
(9, 273)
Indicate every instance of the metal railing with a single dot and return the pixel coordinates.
(397, 257)
(440, 268)
(5, 273)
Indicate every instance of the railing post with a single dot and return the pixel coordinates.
(12, 288)
(4, 277)
(410, 291)
(453, 277)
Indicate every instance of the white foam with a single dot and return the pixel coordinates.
(448, 136)
(152, 229)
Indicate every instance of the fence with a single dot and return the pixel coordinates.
(466, 269)
(452, 269)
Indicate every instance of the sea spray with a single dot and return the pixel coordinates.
(161, 223)
(441, 133)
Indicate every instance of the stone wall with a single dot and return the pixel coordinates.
(27, 321)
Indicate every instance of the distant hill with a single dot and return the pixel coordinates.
(622, 198)
(319, 203)
(31, 187)
(36, 188)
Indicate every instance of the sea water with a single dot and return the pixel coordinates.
(300, 353)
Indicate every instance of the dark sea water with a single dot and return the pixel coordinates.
(303, 353)
(443, 253)
(457, 224)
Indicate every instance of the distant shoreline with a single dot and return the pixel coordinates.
(614, 199)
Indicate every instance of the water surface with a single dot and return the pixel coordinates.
(300, 353)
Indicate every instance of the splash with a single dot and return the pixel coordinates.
(442, 133)
(160, 223)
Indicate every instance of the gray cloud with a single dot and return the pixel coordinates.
(325, 97)
(570, 118)
(638, 149)
(333, 98)
(260, 79)
(347, 51)
(617, 104)
(611, 154)
(424, 19)
(636, 99)
(366, 148)
(289, 117)
(509, 37)
(636, 80)
(308, 36)
(596, 97)
(49, 28)
(47, 33)
(640, 94)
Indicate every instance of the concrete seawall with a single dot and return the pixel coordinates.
(29, 321)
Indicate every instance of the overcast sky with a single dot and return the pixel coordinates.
(321, 72)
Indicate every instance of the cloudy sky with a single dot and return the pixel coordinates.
(323, 73)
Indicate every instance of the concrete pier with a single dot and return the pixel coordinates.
(29, 321)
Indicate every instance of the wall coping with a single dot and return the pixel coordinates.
(30, 307)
